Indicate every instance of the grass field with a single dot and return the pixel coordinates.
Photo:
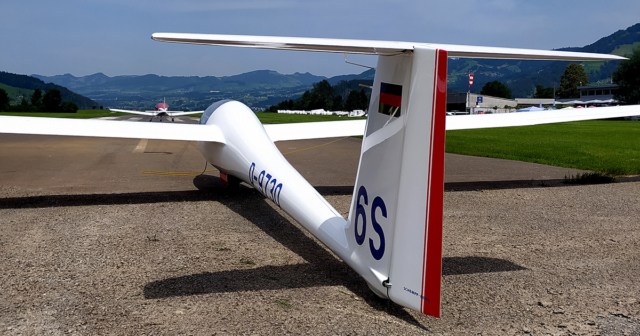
(611, 147)
(81, 114)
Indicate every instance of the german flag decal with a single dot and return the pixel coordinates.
(390, 99)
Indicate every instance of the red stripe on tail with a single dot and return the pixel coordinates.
(432, 272)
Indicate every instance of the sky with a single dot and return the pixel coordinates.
(114, 36)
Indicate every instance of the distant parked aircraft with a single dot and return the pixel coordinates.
(161, 110)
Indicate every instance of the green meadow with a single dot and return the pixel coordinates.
(607, 146)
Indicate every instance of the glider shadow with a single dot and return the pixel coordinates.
(321, 268)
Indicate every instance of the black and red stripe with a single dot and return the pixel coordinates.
(390, 99)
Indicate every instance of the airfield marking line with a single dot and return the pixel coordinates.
(157, 172)
(142, 145)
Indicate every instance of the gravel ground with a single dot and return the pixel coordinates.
(554, 260)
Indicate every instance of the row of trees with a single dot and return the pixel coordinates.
(51, 101)
(573, 76)
(323, 96)
(627, 76)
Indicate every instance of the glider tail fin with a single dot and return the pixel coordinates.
(395, 222)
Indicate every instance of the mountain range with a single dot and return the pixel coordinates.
(22, 86)
(523, 76)
(256, 88)
(262, 88)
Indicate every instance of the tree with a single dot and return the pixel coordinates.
(4, 101)
(356, 100)
(496, 89)
(337, 103)
(69, 107)
(627, 76)
(543, 92)
(572, 77)
(52, 100)
(36, 99)
(321, 96)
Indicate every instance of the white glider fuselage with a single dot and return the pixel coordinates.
(250, 155)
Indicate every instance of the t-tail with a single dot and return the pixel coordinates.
(396, 212)
(393, 235)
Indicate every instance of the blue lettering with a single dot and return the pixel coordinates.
(362, 192)
(262, 182)
(377, 203)
(361, 215)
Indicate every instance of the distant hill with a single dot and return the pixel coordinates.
(15, 94)
(257, 89)
(523, 76)
(18, 82)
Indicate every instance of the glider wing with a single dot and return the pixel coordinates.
(181, 113)
(537, 118)
(110, 129)
(147, 113)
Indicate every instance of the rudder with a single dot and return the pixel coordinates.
(396, 213)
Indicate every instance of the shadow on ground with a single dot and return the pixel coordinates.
(321, 267)
(298, 276)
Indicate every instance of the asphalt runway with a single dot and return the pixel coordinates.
(124, 236)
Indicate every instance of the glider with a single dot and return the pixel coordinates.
(392, 236)
(162, 109)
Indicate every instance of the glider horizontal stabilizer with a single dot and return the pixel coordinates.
(371, 47)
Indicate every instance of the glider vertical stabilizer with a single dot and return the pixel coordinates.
(396, 212)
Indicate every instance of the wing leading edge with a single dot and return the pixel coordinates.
(147, 113)
(371, 47)
(538, 118)
(110, 129)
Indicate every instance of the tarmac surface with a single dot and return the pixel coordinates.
(124, 236)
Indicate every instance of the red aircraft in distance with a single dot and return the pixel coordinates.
(161, 110)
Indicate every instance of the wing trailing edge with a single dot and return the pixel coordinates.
(372, 47)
